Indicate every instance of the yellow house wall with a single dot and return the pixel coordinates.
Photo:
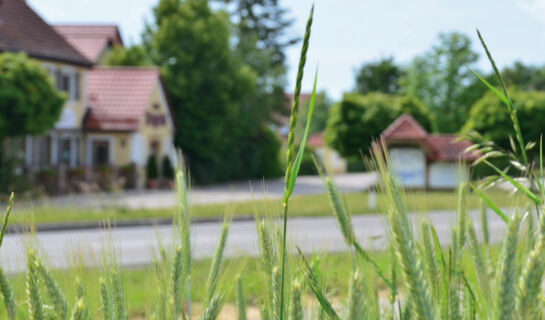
(160, 133)
(77, 106)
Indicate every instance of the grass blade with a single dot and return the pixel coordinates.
(315, 287)
(516, 184)
(7, 294)
(490, 204)
(294, 169)
(6, 219)
(506, 100)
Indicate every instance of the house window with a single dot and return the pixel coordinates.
(63, 81)
(68, 151)
(69, 82)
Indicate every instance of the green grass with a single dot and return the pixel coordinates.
(138, 282)
(301, 206)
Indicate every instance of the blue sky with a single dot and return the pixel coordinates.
(347, 33)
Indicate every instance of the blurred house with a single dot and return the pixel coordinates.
(329, 157)
(423, 160)
(114, 117)
(281, 123)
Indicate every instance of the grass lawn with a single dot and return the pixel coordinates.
(138, 283)
(301, 205)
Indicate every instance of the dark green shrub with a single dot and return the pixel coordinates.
(355, 164)
(152, 171)
(167, 168)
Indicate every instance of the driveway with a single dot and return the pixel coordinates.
(228, 192)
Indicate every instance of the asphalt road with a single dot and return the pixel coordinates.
(137, 246)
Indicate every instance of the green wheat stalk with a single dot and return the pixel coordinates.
(35, 304)
(106, 301)
(213, 275)
(356, 297)
(241, 300)
(296, 307)
(6, 219)
(60, 305)
(292, 167)
(529, 287)
(507, 270)
(7, 295)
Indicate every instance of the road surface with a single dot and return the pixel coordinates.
(137, 246)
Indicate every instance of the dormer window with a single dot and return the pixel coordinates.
(69, 82)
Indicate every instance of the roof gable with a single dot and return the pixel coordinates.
(91, 40)
(442, 147)
(23, 30)
(405, 127)
(118, 97)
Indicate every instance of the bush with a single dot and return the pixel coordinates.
(307, 163)
(152, 171)
(168, 170)
(491, 118)
(355, 164)
(356, 121)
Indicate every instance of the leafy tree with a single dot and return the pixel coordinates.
(356, 121)
(379, 76)
(223, 94)
(525, 77)
(321, 113)
(262, 25)
(132, 56)
(208, 84)
(29, 104)
(491, 119)
(439, 78)
(260, 37)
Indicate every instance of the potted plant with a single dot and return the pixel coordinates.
(152, 172)
(167, 173)
(128, 173)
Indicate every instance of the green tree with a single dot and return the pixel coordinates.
(491, 119)
(29, 104)
(319, 118)
(134, 55)
(208, 84)
(439, 78)
(379, 76)
(358, 120)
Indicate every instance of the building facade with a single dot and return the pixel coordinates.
(113, 118)
(425, 161)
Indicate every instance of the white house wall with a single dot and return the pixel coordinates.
(445, 175)
(409, 165)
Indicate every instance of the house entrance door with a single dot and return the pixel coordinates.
(101, 153)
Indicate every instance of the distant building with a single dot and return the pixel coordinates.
(113, 117)
(423, 160)
(329, 157)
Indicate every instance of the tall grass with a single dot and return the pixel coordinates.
(468, 279)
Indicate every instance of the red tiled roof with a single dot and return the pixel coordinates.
(91, 40)
(405, 127)
(316, 140)
(22, 30)
(448, 149)
(118, 97)
(444, 147)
